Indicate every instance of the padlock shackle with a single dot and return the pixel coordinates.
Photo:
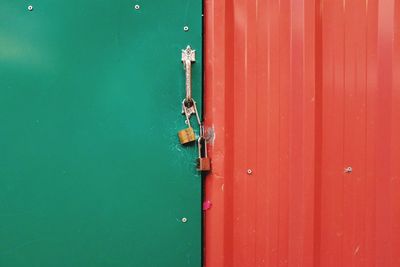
(199, 146)
(202, 146)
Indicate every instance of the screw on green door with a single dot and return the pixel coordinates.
(91, 169)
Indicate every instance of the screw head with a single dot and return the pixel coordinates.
(186, 28)
(249, 171)
(348, 170)
(30, 8)
(137, 7)
(184, 220)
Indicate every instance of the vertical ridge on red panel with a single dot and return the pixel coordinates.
(283, 122)
(214, 252)
(395, 153)
(371, 95)
(349, 83)
(295, 134)
(272, 135)
(250, 125)
(253, 88)
(301, 134)
(241, 141)
(318, 98)
(227, 129)
(354, 133)
(383, 130)
(309, 133)
(263, 52)
(332, 134)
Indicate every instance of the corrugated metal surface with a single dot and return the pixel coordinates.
(297, 91)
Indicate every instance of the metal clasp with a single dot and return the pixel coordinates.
(188, 56)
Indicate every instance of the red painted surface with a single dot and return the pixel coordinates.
(297, 91)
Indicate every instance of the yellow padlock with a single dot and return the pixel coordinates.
(186, 135)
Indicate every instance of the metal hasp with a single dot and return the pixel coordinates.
(189, 108)
(91, 171)
(188, 56)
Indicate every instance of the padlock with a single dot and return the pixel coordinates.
(203, 162)
(186, 135)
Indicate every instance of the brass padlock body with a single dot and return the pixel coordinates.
(186, 136)
(203, 164)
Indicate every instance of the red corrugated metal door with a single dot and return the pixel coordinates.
(297, 92)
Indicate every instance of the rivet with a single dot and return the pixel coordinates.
(184, 220)
(30, 8)
(249, 171)
(186, 28)
(348, 170)
(137, 7)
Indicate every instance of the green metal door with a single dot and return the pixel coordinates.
(91, 169)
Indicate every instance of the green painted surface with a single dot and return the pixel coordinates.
(91, 170)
